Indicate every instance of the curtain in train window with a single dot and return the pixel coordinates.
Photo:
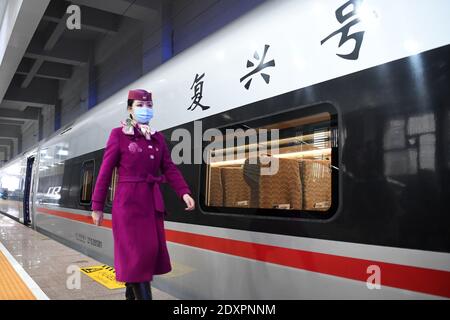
(303, 180)
(87, 177)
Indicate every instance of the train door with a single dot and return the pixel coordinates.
(27, 192)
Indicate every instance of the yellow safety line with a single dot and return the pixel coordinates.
(12, 287)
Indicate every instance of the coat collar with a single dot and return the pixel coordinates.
(129, 126)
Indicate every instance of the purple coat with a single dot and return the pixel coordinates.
(138, 211)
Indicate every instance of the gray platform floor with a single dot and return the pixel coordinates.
(46, 262)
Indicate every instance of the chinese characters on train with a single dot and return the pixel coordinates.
(197, 86)
(346, 15)
(344, 31)
(258, 68)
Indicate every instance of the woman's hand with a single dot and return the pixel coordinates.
(190, 203)
(97, 217)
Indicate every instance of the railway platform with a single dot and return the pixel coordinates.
(36, 267)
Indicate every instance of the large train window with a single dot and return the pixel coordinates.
(87, 178)
(282, 165)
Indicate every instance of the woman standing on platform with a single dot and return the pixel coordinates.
(138, 210)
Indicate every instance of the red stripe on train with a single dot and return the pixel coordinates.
(73, 216)
(429, 281)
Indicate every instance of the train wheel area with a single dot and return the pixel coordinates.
(35, 267)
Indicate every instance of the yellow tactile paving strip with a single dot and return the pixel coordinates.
(12, 286)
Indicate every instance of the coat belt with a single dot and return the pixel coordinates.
(151, 179)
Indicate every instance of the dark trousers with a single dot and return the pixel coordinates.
(138, 291)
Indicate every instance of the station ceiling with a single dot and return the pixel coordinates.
(38, 52)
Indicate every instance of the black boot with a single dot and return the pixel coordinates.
(142, 290)
(129, 293)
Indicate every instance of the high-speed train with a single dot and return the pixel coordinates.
(359, 92)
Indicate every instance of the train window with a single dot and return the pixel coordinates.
(87, 177)
(112, 187)
(287, 170)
